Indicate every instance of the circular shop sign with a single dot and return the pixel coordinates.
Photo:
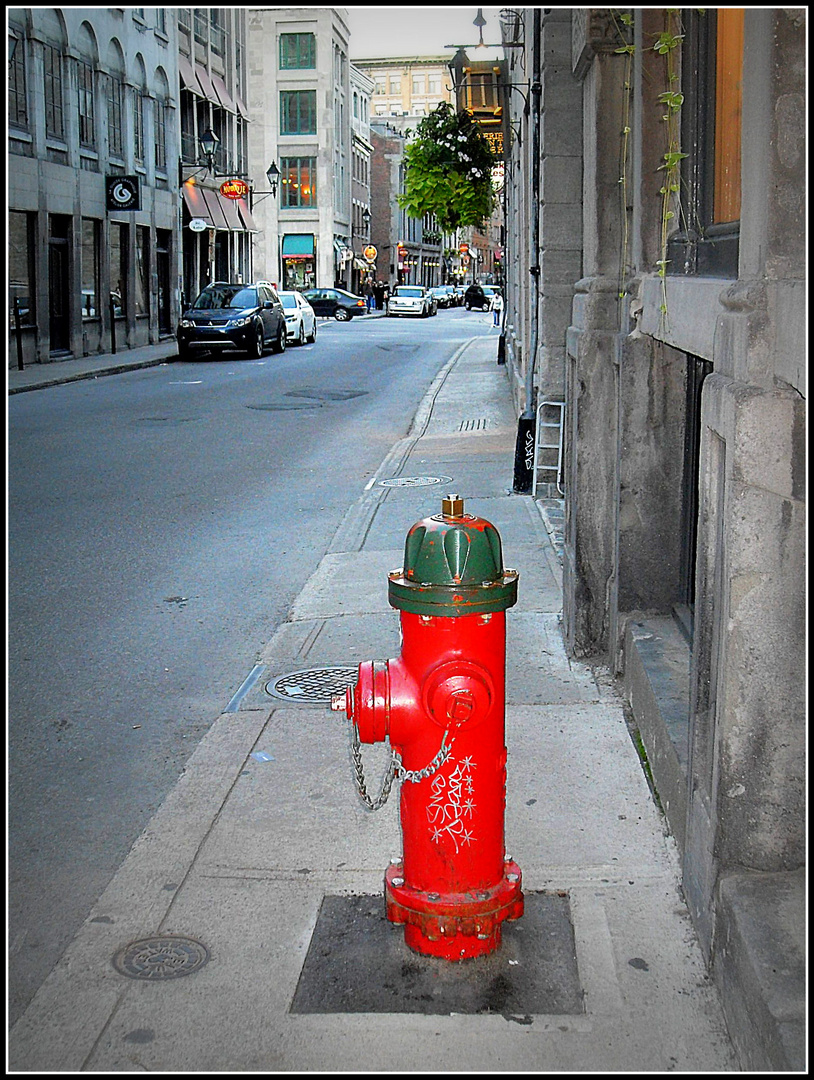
(234, 189)
(198, 224)
(370, 253)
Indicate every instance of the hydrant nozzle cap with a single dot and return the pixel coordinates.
(452, 506)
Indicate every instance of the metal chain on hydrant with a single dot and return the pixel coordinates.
(394, 769)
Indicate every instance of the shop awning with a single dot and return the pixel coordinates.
(241, 106)
(188, 77)
(298, 244)
(224, 95)
(202, 75)
(215, 204)
(196, 203)
(246, 215)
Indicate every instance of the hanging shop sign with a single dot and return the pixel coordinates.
(234, 189)
(370, 253)
(463, 249)
(198, 224)
(122, 193)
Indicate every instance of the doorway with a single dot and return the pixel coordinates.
(59, 265)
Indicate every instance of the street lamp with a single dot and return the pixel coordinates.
(209, 145)
(273, 176)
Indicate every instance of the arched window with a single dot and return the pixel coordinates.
(115, 99)
(139, 91)
(86, 64)
(53, 74)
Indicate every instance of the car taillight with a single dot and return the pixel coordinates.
(360, 303)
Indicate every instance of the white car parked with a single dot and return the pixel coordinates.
(411, 300)
(300, 320)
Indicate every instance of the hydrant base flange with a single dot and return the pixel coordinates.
(454, 926)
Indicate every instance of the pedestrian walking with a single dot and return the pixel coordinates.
(371, 296)
(497, 308)
(378, 292)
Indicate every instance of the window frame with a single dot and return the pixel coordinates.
(115, 116)
(91, 275)
(700, 246)
(18, 87)
(300, 162)
(53, 91)
(19, 220)
(298, 58)
(301, 113)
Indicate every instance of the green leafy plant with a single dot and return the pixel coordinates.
(448, 171)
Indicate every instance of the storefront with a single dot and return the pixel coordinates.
(298, 255)
(216, 238)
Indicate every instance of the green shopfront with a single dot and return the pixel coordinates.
(299, 261)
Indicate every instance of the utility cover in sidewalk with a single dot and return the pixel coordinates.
(415, 481)
(315, 686)
(358, 962)
(166, 957)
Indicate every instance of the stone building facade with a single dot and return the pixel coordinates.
(673, 331)
(93, 206)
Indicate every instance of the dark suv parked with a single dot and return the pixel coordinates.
(233, 316)
(479, 296)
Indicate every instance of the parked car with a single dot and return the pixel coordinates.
(444, 296)
(479, 296)
(460, 291)
(233, 316)
(342, 305)
(412, 300)
(300, 318)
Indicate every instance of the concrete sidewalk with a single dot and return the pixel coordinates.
(264, 836)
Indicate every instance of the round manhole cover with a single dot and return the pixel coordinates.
(160, 958)
(313, 686)
(415, 481)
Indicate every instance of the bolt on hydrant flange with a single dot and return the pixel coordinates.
(441, 704)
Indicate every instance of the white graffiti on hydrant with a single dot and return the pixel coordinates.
(451, 803)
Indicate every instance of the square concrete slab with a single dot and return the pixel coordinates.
(357, 962)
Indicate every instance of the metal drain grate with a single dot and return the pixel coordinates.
(480, 424)
(415, 481)
(161, 958)
(314, 685)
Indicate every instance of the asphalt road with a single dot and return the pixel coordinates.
(161, 522)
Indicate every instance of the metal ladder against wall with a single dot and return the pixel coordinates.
(548, 443)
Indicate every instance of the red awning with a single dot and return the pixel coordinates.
(213, 201)
(224, 95)
(196, 203)
(188, 76)
(246, 215)
(202, 76)
(230, 213)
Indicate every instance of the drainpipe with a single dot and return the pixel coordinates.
(524, 447)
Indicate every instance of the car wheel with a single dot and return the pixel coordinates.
(313, 336)
(282, 340)
(256, 347)
(184, 352)
(341, 315)
(301, 338)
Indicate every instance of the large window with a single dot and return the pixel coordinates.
(298, 186)
(21, 265)
(17, 104)
(90, 268)
(298, 51)
(52, 80)
(712, 75)
(298, 112)
(118, 268)
(160, 135)
(115, 112)
(138, 124)
(142, 289)
(85, 103)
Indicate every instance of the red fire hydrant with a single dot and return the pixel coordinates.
(441, 704)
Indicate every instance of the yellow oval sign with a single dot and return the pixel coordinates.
(370, 253)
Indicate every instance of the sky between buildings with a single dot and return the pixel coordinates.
(419, 31)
